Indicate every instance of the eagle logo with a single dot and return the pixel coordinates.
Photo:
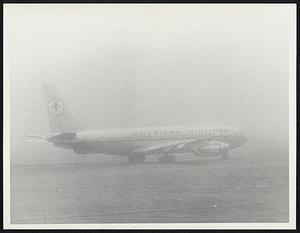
(56, 107)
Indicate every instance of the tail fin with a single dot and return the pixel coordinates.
(60, 119)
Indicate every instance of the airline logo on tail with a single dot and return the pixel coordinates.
(56, 107)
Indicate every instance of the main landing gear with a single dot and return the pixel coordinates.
(225, 156)
(136, 159)
(166, 159)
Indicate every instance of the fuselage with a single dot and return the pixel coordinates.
(127, 141)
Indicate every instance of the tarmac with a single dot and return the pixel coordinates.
(244, 188)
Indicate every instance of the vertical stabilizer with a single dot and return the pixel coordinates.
(60, 119)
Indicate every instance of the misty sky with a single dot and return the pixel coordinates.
(151, 65)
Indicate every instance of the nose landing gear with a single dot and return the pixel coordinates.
(136, 159)
(166, 159)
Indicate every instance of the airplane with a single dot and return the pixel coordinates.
(136, 143)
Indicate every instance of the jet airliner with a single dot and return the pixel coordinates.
(136, 143)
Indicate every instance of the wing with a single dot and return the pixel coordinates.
(170, 146)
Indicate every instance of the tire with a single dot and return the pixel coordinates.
(225, 156)
(166, 159)
(136, 159)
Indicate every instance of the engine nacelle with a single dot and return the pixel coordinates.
(213, 148)
(85, 152)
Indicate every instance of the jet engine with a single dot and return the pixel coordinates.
(212, 148)
(83, 151)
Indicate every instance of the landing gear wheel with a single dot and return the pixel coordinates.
(166, 159)
(136, 159)
(225, 156)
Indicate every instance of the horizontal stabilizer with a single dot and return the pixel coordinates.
(33, 136)
(37, 141)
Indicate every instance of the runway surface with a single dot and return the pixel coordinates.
(241, 189)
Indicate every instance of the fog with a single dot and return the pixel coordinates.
(136, 65)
